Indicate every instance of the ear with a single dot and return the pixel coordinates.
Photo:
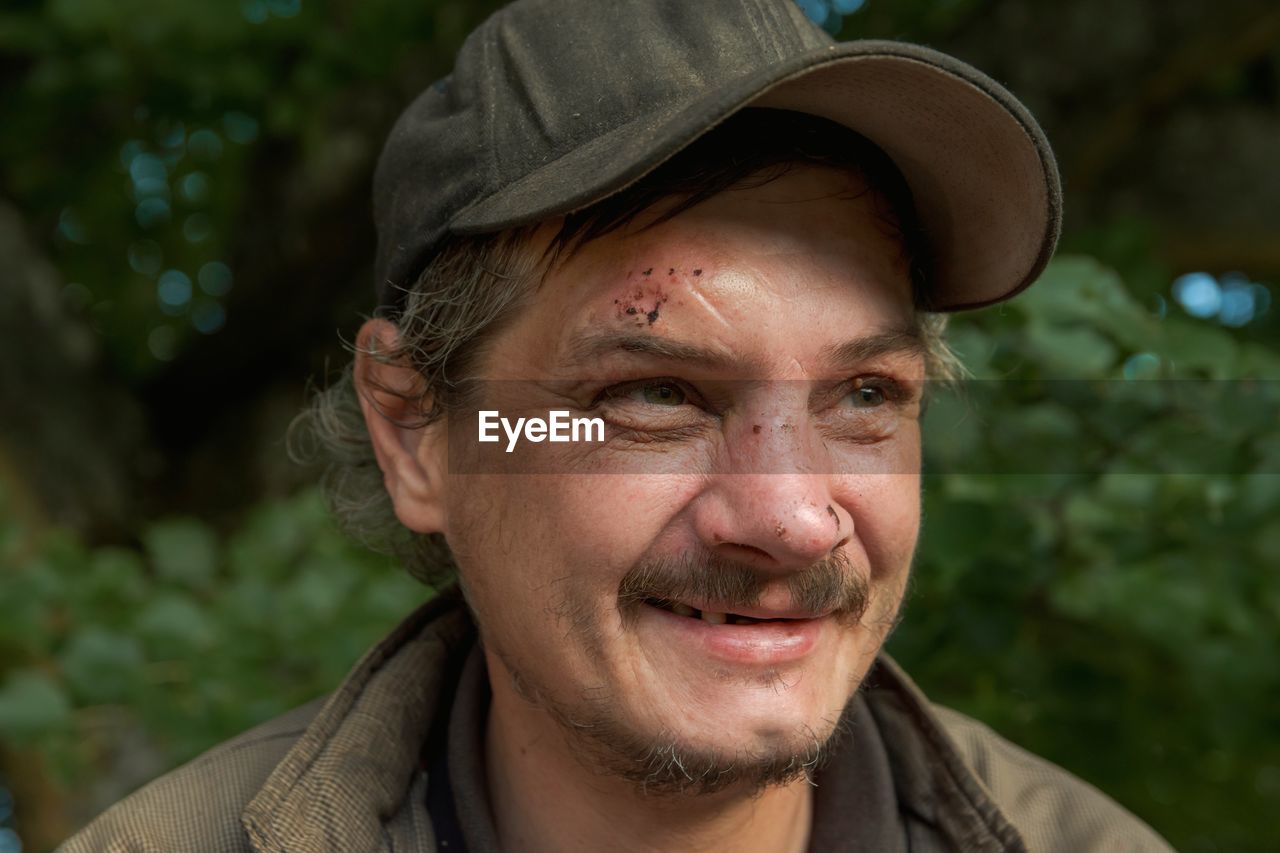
(411, 459)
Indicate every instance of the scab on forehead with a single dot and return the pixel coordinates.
(644, 295)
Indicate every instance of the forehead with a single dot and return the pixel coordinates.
(765, 269)
(810, 212)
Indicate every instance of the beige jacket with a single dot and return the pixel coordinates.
(342, 774)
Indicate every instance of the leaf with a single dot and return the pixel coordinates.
(1079, 291)
(31, 703)
(184, 552)
(173, 623)
(101, 665)
(1195, 348)
(1070, 352)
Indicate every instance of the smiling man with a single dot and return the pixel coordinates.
(728, 242)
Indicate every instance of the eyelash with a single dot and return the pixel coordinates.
(622, 388)
(894, 391)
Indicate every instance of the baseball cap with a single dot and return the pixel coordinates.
(554, 105)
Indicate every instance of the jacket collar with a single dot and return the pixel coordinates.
(349, 773)
(350, 770)
(932, 779)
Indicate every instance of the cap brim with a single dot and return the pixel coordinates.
(982, 175)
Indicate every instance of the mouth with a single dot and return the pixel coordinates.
(724, 617)
(755, 639)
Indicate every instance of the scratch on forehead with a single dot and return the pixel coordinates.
(698, 296)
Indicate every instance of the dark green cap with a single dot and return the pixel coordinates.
(554, 105)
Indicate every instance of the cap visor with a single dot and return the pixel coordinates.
(981, 173)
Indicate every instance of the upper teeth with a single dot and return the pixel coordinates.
(709, 616)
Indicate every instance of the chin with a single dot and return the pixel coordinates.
(740, 735)
(741, 752)
(764, 716)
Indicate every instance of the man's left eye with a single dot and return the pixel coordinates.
(868, 394)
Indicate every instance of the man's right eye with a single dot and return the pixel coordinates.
(659, 394)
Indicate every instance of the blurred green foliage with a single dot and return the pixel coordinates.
(1115, 612)
(190, 639)
(158, 123)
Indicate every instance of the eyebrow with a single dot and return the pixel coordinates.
(901, 341)
(591, 348)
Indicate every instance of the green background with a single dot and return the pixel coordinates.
(184, 222)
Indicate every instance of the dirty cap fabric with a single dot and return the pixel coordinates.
(554, 105)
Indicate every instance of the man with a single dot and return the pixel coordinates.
(724, 241)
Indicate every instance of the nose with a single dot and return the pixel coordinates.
(772, 521)
(775, 506)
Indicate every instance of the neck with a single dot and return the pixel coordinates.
(544, 799)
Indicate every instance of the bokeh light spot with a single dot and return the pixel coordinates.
(1261, 299)
(128, 151)
(71, 227)
(76, 296)
(146, 257)
(254, 11)
(240, 127)
(195, 187)
(1159, 307)
(173, 135)
(163, 342)
(151, 212)
(145, 167)
(815, 10)
(150, 176)
(1143, 365)
(215, 278)
(173, 289)
(197, 228)
(1237, 306)
(1232, 298)
(1198, 293)
(208, 316)
(204, 144)
(284, 8)
(9, 841)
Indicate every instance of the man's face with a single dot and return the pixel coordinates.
(755, 362)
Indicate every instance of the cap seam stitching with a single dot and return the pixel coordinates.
(490, 49)
(761, 13)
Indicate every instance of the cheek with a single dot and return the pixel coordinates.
(543, 536)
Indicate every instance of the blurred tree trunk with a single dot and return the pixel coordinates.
(69, 444)
(69, 437)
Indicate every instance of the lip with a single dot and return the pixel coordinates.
(760, 644)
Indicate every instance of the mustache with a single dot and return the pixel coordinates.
(831, 584)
